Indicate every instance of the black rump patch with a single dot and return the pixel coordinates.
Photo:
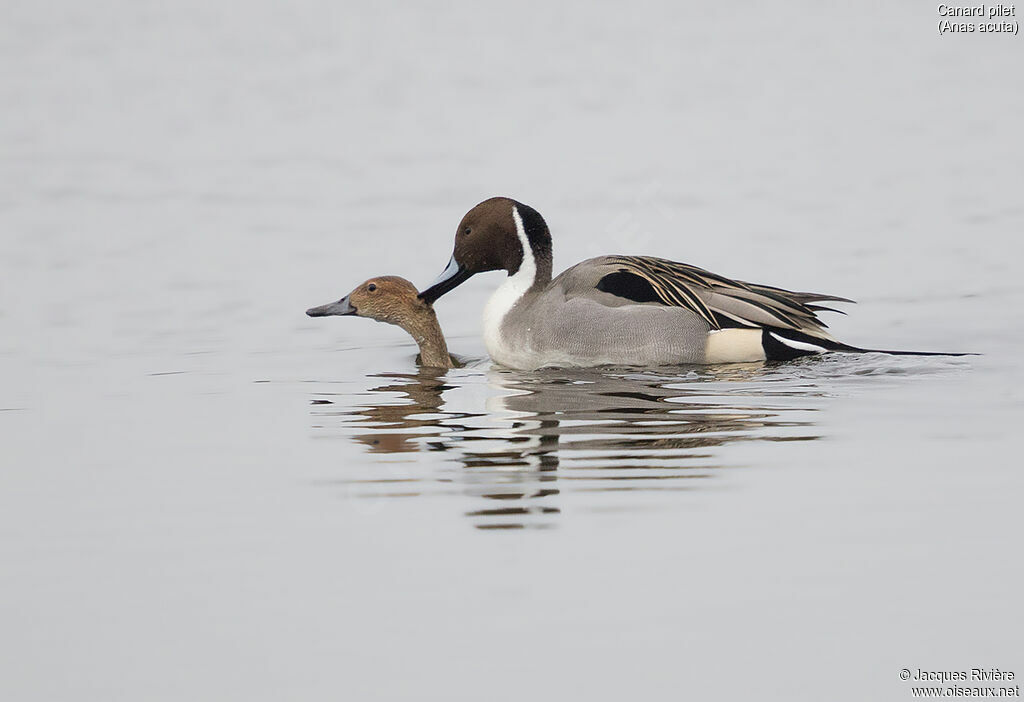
(628, 285)
(775, 350)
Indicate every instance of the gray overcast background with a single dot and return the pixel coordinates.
(179, 181)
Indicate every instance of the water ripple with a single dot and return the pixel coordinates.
(516, 445)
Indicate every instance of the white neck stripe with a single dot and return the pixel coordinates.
(528, 263)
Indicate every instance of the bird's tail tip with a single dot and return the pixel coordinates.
(783, 344)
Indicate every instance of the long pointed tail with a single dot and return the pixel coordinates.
(787, 344)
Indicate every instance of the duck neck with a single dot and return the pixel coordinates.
(534, 271)
(532, 275)
(426, 330)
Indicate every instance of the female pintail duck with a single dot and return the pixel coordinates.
(394, 300)
(621, 310)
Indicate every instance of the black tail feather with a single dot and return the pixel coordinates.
(776, 348)
(846, 348)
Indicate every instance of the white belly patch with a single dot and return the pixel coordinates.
(734, 346)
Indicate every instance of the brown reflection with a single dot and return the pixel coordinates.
(521, 439)
(399, 419)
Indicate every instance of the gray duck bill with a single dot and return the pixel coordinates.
(340, 308)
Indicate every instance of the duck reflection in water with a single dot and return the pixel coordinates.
(533, 435)
(416, 397)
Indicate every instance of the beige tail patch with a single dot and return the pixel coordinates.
(734, 346)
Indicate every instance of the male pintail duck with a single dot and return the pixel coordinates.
(621, 310)
(394, 300)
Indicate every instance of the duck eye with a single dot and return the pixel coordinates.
(467, 231)
(372, 287)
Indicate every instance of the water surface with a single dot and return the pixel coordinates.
(206, 495)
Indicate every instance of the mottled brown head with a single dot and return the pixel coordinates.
(386, 298)
(492, 237)
(391, 299)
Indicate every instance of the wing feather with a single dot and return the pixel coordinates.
(716, 298)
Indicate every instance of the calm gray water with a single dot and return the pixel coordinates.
(206, 495)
